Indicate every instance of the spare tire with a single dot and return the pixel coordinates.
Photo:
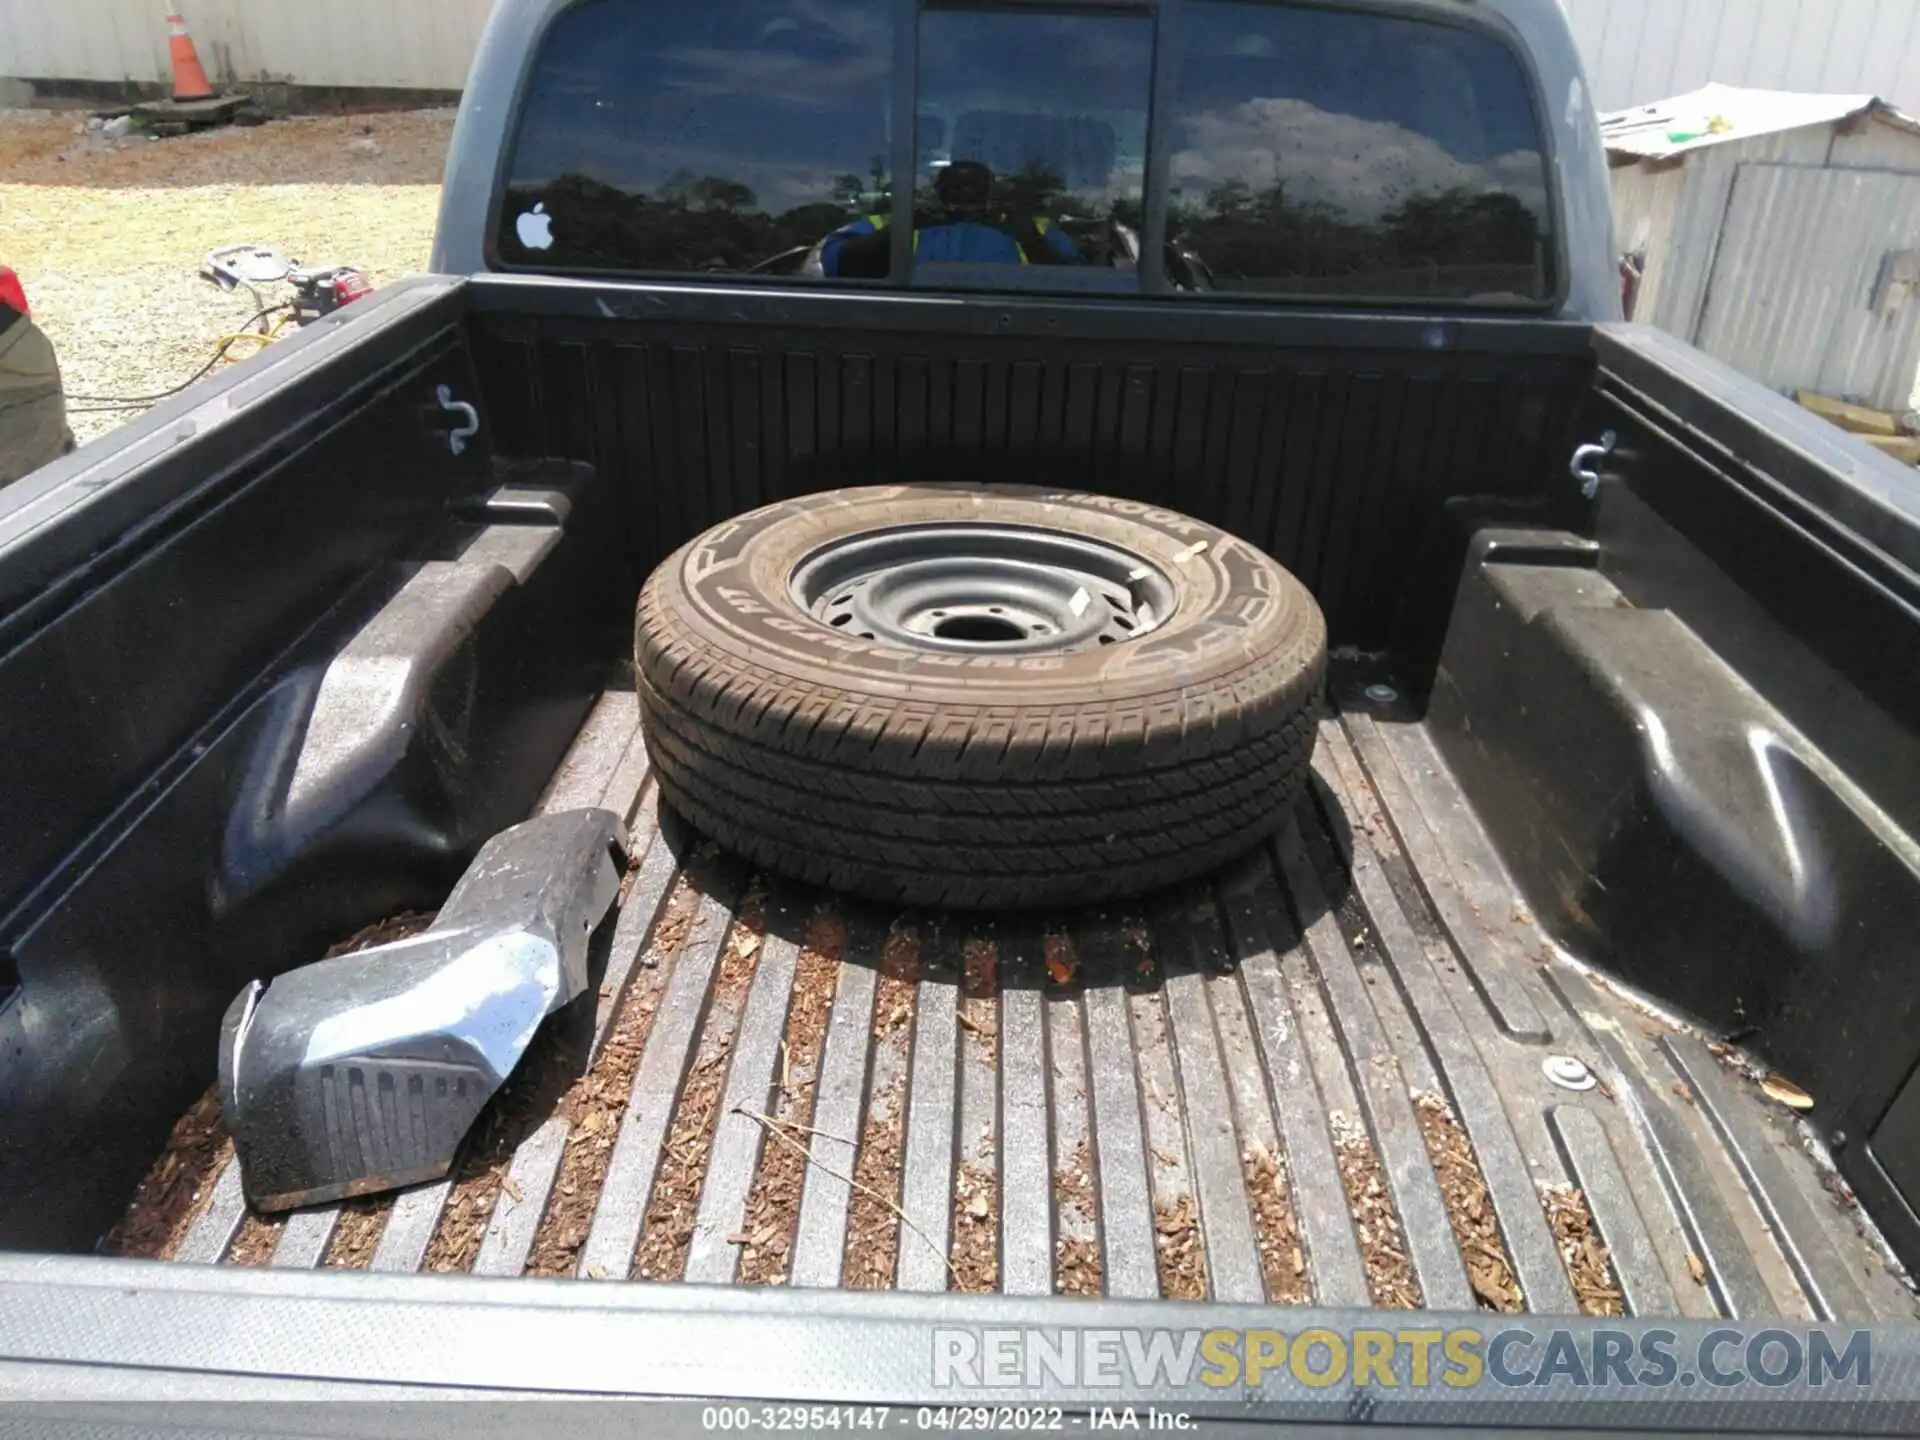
(979, 697)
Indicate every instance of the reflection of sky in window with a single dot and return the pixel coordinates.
(779, 95)
(994, 66)
(1359, 111)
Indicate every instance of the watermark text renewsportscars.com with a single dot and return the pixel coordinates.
(1811, 1359)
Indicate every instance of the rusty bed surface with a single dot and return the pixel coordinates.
(1316, 1079)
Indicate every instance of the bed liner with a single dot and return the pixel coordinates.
(1315, 1080)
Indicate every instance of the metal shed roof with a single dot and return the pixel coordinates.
(1715, 114)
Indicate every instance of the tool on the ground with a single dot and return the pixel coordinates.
(319, 292)
(234, 265)
(245, 267)
(363, 1073)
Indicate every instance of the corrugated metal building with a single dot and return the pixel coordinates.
(1779, 233)
(1637, 51)
(399, 44)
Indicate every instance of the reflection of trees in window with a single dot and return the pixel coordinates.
(1449, 242)
(691, 222)
(863, 193)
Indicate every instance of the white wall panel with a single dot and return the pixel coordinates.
(1638, 51)
(1635, 50)
(1789, 298)
(410, 44)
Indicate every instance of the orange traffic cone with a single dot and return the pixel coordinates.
(189, 76)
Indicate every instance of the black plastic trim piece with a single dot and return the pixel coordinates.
(1051, 317)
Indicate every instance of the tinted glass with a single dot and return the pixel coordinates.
(726, 136)
(1031, 137)
(1322, 152)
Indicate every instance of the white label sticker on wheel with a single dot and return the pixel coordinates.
(1081, 599)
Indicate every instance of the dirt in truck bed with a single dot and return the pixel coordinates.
(1316, 1080)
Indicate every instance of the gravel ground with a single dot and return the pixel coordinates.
(108, 235)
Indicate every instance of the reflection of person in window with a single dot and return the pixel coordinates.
(966, 227)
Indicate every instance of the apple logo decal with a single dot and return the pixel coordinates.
(535, 228)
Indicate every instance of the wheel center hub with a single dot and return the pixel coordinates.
(979, 629)
(983, 589)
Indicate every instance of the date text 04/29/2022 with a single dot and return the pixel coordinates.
(812, 1419)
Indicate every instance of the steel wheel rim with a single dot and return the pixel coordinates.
(983, 589)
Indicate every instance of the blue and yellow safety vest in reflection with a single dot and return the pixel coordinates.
(956, 239)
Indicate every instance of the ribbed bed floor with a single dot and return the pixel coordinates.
(1316, 1079)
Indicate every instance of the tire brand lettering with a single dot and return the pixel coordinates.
(741, 602)
(1032, 664)
(1137, 509)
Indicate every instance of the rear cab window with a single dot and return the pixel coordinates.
(1347, 152)
(727, 137)
(1309, 152)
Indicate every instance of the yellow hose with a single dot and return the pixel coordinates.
(263, 337)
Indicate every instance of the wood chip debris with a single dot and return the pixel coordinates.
(979, 992)
(1078, 1267)
(1469, 1208)
(177, 1187)
(674, 1205)
(1283, 1261)
(1582, 1251)
(357, 1233)
(1178, 1249)
(1697, 1268)
(873, 1222)
(975, 1256)
(1390, 1278)
(1786, 1092)
(383, 932)
(773, 1200)
(1063, 965)
(259, 1236)
(595, 1103)
(873, 1226)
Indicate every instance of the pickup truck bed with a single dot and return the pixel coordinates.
(1317, 1080)
(1644, 741)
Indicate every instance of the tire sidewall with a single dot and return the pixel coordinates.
(731, 587)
